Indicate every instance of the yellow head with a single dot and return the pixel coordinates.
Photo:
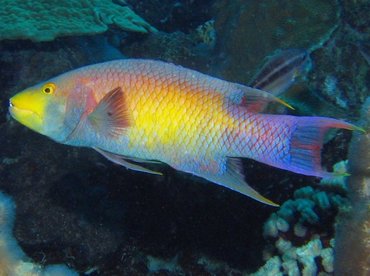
(42, 107)
(29, 106)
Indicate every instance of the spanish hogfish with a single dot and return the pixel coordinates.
(137, 111)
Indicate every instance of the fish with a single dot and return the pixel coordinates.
(136, 112)
(281, 70)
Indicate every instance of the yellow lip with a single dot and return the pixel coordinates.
(24, 112)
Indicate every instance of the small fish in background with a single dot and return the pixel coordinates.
(143, 111)
(280, 71)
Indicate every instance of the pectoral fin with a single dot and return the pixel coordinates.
(111, 116)
(120, 160)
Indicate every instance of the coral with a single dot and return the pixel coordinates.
(353, 229)
(13, 260)
(207, 33)
(338, 181)
(294, 257)
(47, 19)
(301, 231)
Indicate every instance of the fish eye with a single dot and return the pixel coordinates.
(49, 88)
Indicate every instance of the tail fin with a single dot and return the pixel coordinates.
(306, 143)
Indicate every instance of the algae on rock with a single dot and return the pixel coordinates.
(44, 20)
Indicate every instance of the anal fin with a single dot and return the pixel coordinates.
(120, 160)
(233, 178)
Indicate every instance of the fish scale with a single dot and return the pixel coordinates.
(137, 111)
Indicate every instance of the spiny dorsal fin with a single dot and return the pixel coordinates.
(111, 117)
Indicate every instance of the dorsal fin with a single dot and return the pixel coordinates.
(253, 99)
(111, 117)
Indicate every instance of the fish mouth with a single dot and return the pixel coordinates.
(26, 117)
(13, 110)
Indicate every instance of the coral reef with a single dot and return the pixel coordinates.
(292, 258)
(13, 260)
(353, 230)
(47, 19)
(105, 220)
(301, 231)
(342, 73)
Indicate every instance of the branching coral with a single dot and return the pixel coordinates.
(47, 19)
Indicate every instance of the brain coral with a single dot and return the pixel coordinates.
(44, 20)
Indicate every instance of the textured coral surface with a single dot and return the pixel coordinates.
(47, 19)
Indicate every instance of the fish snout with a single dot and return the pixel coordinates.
(26, 110)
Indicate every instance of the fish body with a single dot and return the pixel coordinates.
(137, 111)
(281, 69)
